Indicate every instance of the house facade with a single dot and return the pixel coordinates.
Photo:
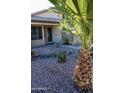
(45, 28)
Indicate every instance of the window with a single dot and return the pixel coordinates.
(36, 33)
(40, 32)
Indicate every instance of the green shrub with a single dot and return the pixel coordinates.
(61, 57)
(66, 41)
(33, 54)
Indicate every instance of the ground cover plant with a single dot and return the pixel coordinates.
(61, 57)
(34, 54)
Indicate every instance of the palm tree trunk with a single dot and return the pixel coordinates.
(83, 70)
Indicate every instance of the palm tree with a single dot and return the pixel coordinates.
(78, 19)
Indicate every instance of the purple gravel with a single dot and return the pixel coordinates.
(51, 49)
(48, 76)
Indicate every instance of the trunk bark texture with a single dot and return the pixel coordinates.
(83, 70)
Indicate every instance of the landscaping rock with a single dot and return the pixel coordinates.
(55, 77)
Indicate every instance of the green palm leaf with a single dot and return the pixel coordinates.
(77, 18)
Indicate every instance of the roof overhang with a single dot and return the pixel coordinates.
(44, 23)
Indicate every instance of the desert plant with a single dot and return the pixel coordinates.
(61, 57)
(66, 41)
(78, 19)
(34, 54)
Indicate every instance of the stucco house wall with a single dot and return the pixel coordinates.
(57, 34)
(56, 31)
(35, 43)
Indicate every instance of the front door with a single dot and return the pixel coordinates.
(49, 31)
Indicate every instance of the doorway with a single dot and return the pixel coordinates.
(49, 31)
(48, 34)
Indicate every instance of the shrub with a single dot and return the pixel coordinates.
(61, 57)
(34, 54)
(66, 41)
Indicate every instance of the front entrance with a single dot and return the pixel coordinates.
(49, 31)
(48, 34)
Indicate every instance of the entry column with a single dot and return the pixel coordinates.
(43, 32)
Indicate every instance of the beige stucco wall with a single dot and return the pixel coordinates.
(39, 42)
(56, 34)
(74, 40)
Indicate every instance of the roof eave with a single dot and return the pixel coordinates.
(45, 21)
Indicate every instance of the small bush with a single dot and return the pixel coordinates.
(61, 57)
(34, 54)
(66, 41)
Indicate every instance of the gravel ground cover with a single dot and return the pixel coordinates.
(49, 76)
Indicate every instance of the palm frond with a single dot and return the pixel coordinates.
(77, 18)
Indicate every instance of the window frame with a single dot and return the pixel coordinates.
(37, 32)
